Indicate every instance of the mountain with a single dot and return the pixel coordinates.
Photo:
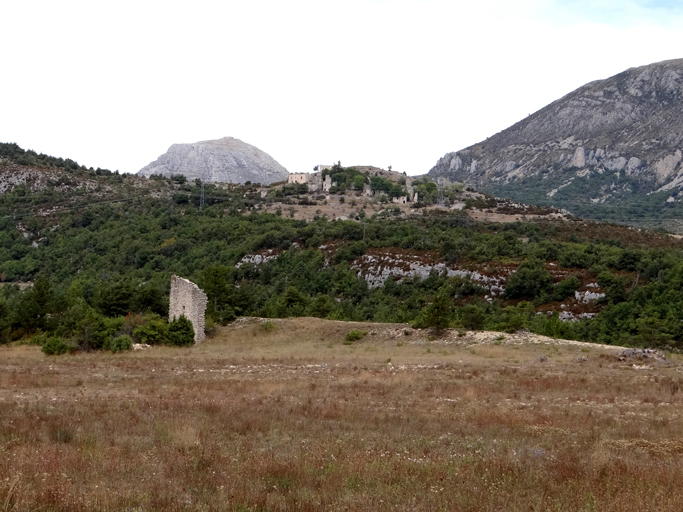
(610, 150)
(223, 160)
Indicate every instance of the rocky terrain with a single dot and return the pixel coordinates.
(609, 150)
(224, 160)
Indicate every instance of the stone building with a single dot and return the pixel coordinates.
(189, 300)
(312, 179)
(298, 177)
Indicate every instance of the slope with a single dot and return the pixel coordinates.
(611, 150)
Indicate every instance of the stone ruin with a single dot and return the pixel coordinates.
(189, 300)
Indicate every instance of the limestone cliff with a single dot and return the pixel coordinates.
(223, 160)
(613, 142)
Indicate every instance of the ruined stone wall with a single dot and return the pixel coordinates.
(189, 300)
(299, 177)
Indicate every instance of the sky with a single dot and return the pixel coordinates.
(366, 82)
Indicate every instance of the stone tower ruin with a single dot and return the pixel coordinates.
(189, 300)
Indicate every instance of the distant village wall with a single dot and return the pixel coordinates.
(189, 300)
(316, 182)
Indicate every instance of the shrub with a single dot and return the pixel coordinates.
(472, 317)
(226, 315)
(55, 346)
(530, 281)
(121, 343)
(181, 332)
(40, 338)
(268, 326)
(100, 333)
(354, 335)
(154, 331)
(566, 288)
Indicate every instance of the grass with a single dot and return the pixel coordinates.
(292, 419)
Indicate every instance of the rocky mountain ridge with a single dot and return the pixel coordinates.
(226, 160)
(615, 142)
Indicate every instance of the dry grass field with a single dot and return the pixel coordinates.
(286, 416)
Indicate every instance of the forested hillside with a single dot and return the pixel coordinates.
(100, 264)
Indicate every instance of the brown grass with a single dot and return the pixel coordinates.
(293, 419)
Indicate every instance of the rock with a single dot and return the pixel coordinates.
(224, 160)
(587, 297)
(641, 353)
(579, 159)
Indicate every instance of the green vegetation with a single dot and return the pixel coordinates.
(354, 335)
(180, 332)
(14, 153)
(627, 203)
(101, 270)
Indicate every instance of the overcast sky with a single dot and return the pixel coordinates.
(367, 82)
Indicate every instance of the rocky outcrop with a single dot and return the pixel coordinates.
(377, 265)
(225, 160)
(611, 140)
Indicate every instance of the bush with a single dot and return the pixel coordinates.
(181, 332)
(101, 331)
(40, 338)
(55, 346)
(472, 317)
(121, 343)
(226, 315)
(268, 326)
(530, 281)
(354, 335)
(153, 332)
(566, 288)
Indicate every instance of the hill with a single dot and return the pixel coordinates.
(225, 160)
(611, 150)
(99, 256)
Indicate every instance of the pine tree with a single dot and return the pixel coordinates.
(439, 312)
(181, 332)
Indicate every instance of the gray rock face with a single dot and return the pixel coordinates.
(607, 141)
(224, 160)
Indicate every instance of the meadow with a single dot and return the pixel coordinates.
(286, 414)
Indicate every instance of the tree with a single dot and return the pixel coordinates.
(181, 332)
(149, 297)
(439, 312)
(114, 299)
(215, 283)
